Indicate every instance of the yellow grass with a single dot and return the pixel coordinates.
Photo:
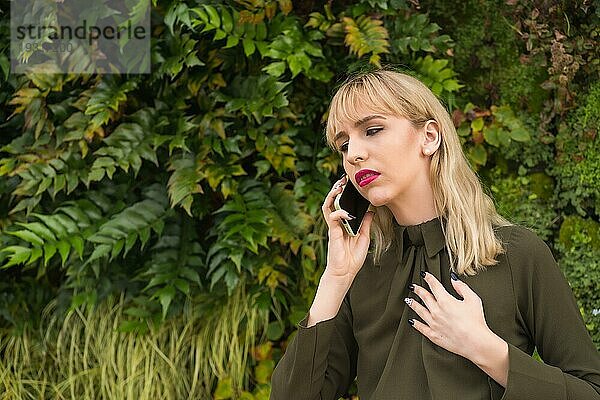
(83, 356)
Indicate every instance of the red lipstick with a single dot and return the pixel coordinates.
(365, 176)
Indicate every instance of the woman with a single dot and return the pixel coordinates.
(407, 320)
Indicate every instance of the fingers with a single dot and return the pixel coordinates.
(423, 328)
(436, 337)
(438, 295)
(425, 296)
(337, 215)
(327, 207)
(419, 309)
(464, 290)
(438, 290)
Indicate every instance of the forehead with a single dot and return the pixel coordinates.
(345, 115)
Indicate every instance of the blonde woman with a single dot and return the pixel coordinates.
(454, 299)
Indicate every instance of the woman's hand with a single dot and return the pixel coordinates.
(345, 254)
(459, 325)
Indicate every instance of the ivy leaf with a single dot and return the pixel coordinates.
(478, 154)
(491, 134)
(520, 134)
(477, 124)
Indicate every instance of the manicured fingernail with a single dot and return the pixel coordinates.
(411, 287)
(350, 216)
(408, 301)
(342, 176)
(411, 322)
(453, 276)
(422, 274)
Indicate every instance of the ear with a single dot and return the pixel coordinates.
(432, 137)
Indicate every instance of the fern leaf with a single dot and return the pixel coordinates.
(125, 148)
(28, 236)
(31, 102)
(106, 99)
(133, 224)
(178, 12)
(184, 182)
(437, 75)
(366, 35)
(62, 231)
(16, 255)
(175, 260)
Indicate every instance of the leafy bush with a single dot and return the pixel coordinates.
(579, 243)
(199, 185)
(578, 159)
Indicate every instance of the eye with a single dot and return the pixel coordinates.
(373, 130)
(343, 148)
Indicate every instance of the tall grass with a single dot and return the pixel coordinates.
(84, 356)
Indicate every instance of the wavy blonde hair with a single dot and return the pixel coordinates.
(458, 194)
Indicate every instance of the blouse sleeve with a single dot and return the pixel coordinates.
(320, 361)
(545, 302)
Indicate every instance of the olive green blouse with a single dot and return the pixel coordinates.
(526, 301)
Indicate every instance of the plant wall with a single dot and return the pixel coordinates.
(198, 186)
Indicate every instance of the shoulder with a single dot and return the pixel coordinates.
(520, 240)
(527, 254)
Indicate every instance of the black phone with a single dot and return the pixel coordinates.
(355, 204)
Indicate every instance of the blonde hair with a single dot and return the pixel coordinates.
(458, 194)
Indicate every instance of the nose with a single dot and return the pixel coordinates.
(356, 153)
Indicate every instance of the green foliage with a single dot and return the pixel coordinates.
(487, 52)
(578, 161)
(579, 243)
(497, 130)
(414, 33)
(437, 75)
(524, 199)
(254, 97)
(294, 49)
(199, 186)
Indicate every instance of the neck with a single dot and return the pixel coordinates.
(416, 207)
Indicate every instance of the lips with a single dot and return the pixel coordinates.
(365, 176)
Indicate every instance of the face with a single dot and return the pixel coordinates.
(383, 156)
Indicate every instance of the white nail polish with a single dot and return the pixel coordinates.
(408, 301)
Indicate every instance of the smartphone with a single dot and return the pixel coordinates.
(355, 204)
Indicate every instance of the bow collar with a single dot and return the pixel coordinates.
(428, 233)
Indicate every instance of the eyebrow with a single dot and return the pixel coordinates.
(358, 123)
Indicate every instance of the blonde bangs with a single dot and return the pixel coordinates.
(353, 98)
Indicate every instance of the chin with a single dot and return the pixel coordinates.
(378, 199)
